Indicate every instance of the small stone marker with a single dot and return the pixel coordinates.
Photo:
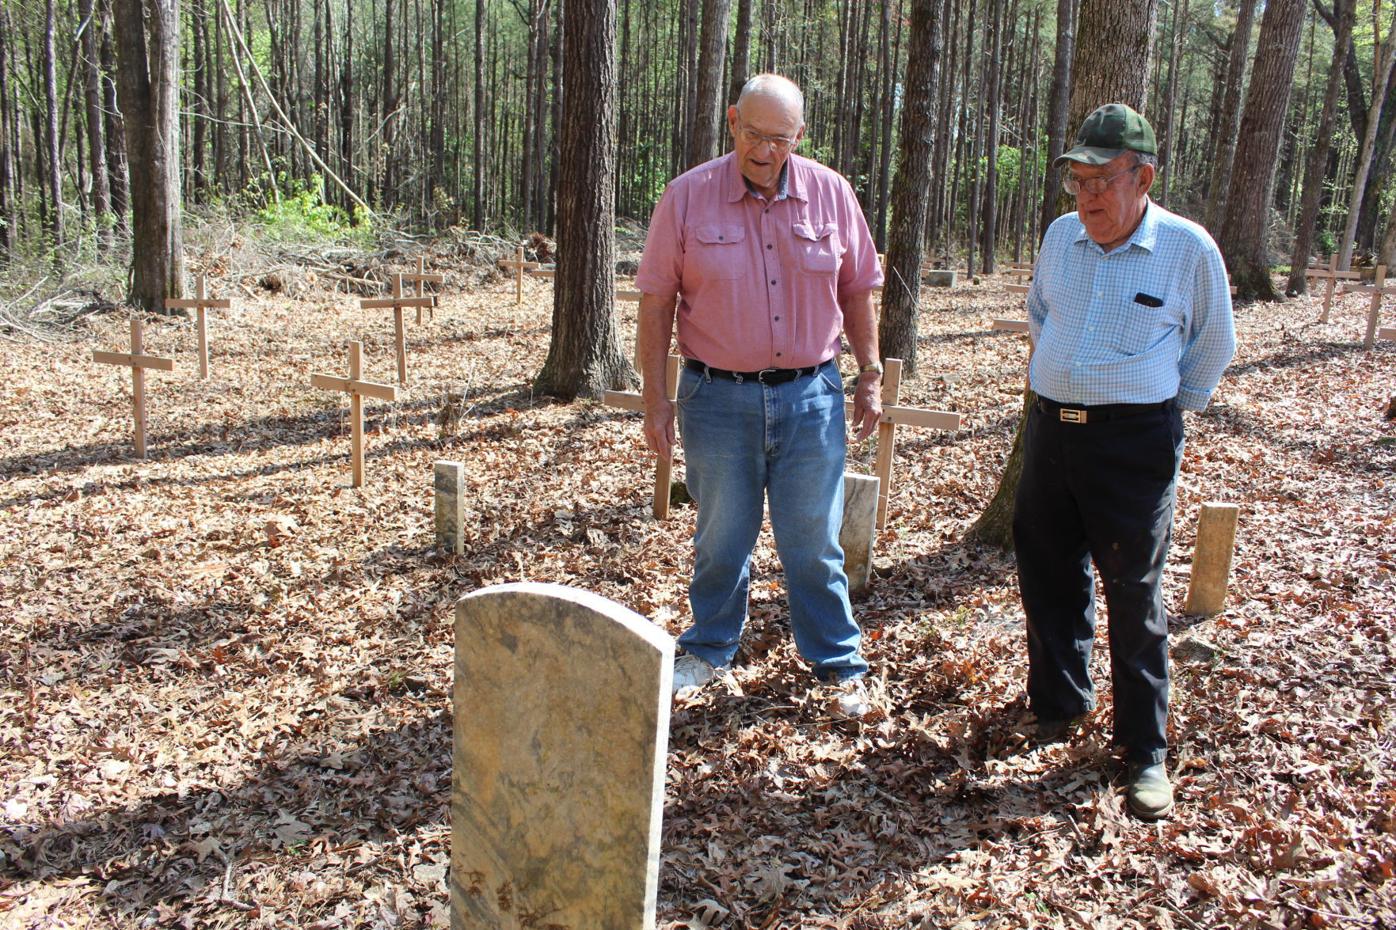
(449, 481)
(892, 417)
(398, 302)
(1387, 332)
(200, 305)
(1211, 560)
(664, 469)
(518, 266)
(1332, 275)
(859, 529)
(357, 391)
(422, 277)
(561, 728)
(939, 277)
(138, 363)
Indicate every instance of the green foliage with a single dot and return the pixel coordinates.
(295, 211)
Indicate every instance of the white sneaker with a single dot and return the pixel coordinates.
(691, 672)
(850, 699)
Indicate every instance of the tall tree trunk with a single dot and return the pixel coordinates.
(1229, 122)
(96, 139)
(118, 174)
(1245, 226)
(711, 57)
(741, 51)
(997, 16)
(147, 40)
(388, 114)
(1059, 98)
(54, 180)
(584, 355)
(1314, 171)
(910, 190)
(1381, 78)
(477, 216)
(1180, 15)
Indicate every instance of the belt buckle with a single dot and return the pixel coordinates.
(761, 375)
(1068, 415)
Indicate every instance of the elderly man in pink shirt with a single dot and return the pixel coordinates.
(765, 257)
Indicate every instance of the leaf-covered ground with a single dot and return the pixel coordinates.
(226, 674)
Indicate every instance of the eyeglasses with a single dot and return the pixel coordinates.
(777, 143)
(1074, 185)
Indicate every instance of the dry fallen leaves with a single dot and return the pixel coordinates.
(226, 675)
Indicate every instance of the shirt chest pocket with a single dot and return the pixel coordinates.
(1142, 327)
(816, 247)
(718, 250)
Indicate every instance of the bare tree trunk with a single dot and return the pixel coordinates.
(1229, 122)
(1346, 11)
(741, 51)
(147, 40)
(1381, 78)
(54, 179)
(1246, 224)
(711, 57)
(96, 140)
(584, 355)
(997, 16)
(118, 174)
(477, 153)
(1180, 16)
(910, 190)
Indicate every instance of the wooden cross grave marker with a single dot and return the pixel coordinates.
(518, 266)
(892, 417)
(357, 390)
(664, 470)
(200, 304)
(419, 278)
(1378, 289)
(398, 302)
(1332, 275)
(138, 362)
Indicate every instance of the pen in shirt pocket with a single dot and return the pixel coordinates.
(1147, 300)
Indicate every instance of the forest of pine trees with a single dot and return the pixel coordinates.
(429, 114)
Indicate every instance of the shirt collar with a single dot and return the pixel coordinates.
(1145, 235)
(789, 184)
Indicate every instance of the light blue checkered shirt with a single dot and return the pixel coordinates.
(1097, 339)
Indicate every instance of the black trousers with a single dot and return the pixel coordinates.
(1100, 491)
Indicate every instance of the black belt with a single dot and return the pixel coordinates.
(1082, 413)
(764, 376)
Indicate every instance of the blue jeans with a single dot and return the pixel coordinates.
(745, 442)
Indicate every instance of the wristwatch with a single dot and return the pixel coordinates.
(870, 366)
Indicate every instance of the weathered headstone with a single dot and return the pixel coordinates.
(939, 277)
(561, 722)
(1211, 560)
(859, 529)
(449, 481)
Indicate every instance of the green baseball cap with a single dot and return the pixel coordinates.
(1108, 133)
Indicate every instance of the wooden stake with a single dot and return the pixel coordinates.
(357, 389)
(138, 362)
(1378, 289)
(1211, 560)
(859, 529)
(664, 469)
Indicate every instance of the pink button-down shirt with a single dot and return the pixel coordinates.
(759, 282)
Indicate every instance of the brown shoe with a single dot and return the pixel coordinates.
(1150, 795)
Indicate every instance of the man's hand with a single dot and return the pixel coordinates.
(659, 428)
(867, 405)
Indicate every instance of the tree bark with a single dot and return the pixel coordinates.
(910, 190)
(54, 178)
(1222, 157)
(147, 40)
(711, 58)
(477, 216)
(1381, 79)
(1245, 229)
(741, 51)
(584, 355)
(1315, 170)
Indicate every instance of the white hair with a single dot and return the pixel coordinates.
(776, 87)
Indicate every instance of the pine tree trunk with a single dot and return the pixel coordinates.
(1229, 122)
(118, 174)
(54, 178)
(584, 355)
(741, 51)
(711, 57)
(910, 190)
(1382, 70)
(1346, 13)
(477, 216)
(1246, 223)
(96, 139)
(147, 40)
